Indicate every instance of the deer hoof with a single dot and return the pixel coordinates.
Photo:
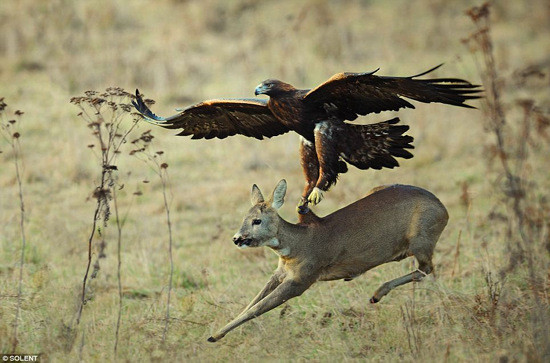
(212, 340)
(316, 196)
(374, 300)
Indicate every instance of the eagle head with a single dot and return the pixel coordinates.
(271, 87)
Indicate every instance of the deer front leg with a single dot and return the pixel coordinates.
(271, 285)
(285, 291)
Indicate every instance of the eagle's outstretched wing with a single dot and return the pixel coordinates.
(219, 118)
(347, 95)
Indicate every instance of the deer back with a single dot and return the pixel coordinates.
(375, 229)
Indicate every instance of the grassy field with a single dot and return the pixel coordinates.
(490, 296)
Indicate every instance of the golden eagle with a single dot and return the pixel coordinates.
(318, 116)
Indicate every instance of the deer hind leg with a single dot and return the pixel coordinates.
(390, 285)
(425, 234)
(423, 253)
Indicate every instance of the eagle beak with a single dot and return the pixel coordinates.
(259, 90)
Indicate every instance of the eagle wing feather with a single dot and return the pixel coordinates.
(219, 118)
(352, 94)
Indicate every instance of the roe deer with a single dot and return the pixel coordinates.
(389, 224)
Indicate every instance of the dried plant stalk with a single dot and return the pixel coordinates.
(9, 131)
(104, 113)
(154, 161)
(524, 230)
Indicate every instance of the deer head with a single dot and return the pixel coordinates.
(261, 223)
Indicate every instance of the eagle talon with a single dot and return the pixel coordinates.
(302, 207)
(316, 196)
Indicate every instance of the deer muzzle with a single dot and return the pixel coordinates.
(241, 241)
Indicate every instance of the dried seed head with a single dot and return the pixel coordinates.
(527, 104)
(146, 136)
(101, 193)
(137, 151)
(164, 166)
(76, 100)
(125, 107)
(478, 12)
(97, 101)
(16, 135)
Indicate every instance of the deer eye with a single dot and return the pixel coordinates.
(256, 222)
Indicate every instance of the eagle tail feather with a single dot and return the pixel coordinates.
(378, 145)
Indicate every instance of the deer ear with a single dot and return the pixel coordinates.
(278, 197)
(256, 196)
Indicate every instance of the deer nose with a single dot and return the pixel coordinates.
(241, 240)
(237, 238)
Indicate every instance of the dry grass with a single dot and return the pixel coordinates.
(180, 52)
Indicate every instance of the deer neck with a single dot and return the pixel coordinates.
(288, 237)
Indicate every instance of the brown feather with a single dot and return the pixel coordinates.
(376, 146)
(220, 119)
(354, 94)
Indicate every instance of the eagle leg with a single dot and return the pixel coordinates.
(310, 167)
(326, 142)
